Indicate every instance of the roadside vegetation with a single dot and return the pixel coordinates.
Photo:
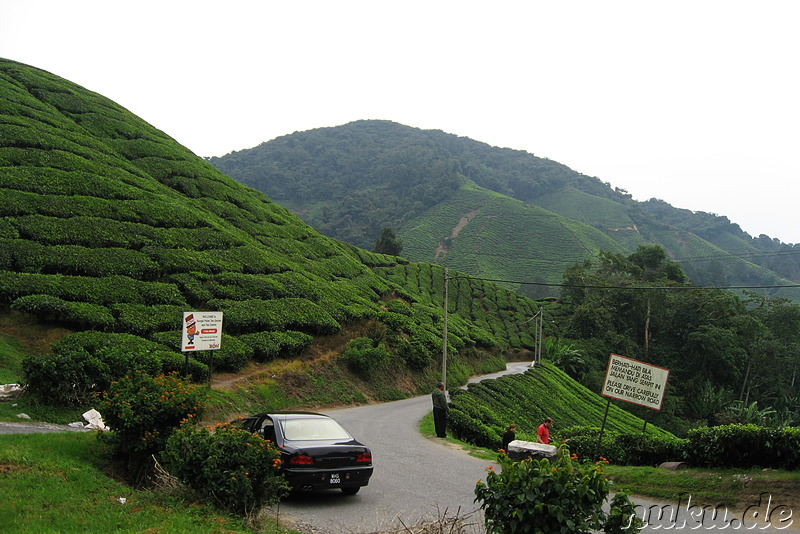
(62, 483)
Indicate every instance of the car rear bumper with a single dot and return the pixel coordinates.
(333, 478)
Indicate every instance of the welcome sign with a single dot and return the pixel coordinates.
(201, 331)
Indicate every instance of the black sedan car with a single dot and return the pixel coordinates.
(317, 452)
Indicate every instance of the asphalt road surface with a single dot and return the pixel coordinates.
(415, 478)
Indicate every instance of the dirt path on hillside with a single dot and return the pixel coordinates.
(441, 250)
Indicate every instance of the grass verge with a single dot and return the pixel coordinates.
(59, 483)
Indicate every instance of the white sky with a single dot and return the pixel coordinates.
(693, 102)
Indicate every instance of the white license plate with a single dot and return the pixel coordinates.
(335, 479)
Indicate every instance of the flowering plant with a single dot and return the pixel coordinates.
(238, 470)
(562, 496)
(142, 411)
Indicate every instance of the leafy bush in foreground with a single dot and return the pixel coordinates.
(234, 468)
(142, 411)
(559, 497)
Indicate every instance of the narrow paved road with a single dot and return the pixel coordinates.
(415, 478)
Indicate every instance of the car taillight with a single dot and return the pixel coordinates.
(364, 458)
(301, 459)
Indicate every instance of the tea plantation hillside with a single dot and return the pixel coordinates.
(109, 230)
(351, 181)
(489, 235)
(481, 413)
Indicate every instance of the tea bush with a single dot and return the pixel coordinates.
(270, 345)
(564, 496)
(232, 355)
(172, 362)
(236, 469)
(364, 356)
(87, 362)
(143, 320)
(624, 449)
(142, 411)
(744, 446)
(256, 315)
(80, 314)
(69, 377)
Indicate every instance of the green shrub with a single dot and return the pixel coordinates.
(142, 320)
(142, 411)
(232, 355)
(256, 315)
(398, 306)
(81, 314)
(472, 430)
(68, 377)
(559, 497)
(364, 356)
(234, 468)
(744, 446)
(270, 345)
(172, 362)
(638, 449)
(416, 356)
(623, 449)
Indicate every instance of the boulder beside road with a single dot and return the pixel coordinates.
(520, 450)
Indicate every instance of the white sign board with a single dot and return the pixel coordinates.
(201, 331)
(635, 382)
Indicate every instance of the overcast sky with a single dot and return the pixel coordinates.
(693, 102)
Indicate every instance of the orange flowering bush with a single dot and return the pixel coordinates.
(142, 411)
(235, 469)
(563, 496)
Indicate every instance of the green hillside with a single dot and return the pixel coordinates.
(351, 181)
(487, 234)
(482, 412)
(109, 230)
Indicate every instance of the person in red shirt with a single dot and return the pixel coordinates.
(543, 432)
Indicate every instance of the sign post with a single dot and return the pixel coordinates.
(633, 381)
(200, 331)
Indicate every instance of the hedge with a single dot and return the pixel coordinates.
(271, 345)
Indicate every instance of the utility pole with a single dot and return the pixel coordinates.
(537, 336)
(444, 329)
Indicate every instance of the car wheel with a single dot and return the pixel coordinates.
(350, 491)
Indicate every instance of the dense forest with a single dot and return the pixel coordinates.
(722, 350)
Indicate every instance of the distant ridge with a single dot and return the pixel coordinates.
(350, 181)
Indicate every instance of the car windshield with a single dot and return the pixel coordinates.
(313, 428)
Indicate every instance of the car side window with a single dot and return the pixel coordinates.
(267, 430)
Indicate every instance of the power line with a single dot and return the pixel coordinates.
(573, 286)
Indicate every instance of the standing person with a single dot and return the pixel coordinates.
(440, 410)
(543, 432)
(509, 436)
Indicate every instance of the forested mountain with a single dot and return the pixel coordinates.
(488, 211)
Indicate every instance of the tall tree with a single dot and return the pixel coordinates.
(388, 243)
